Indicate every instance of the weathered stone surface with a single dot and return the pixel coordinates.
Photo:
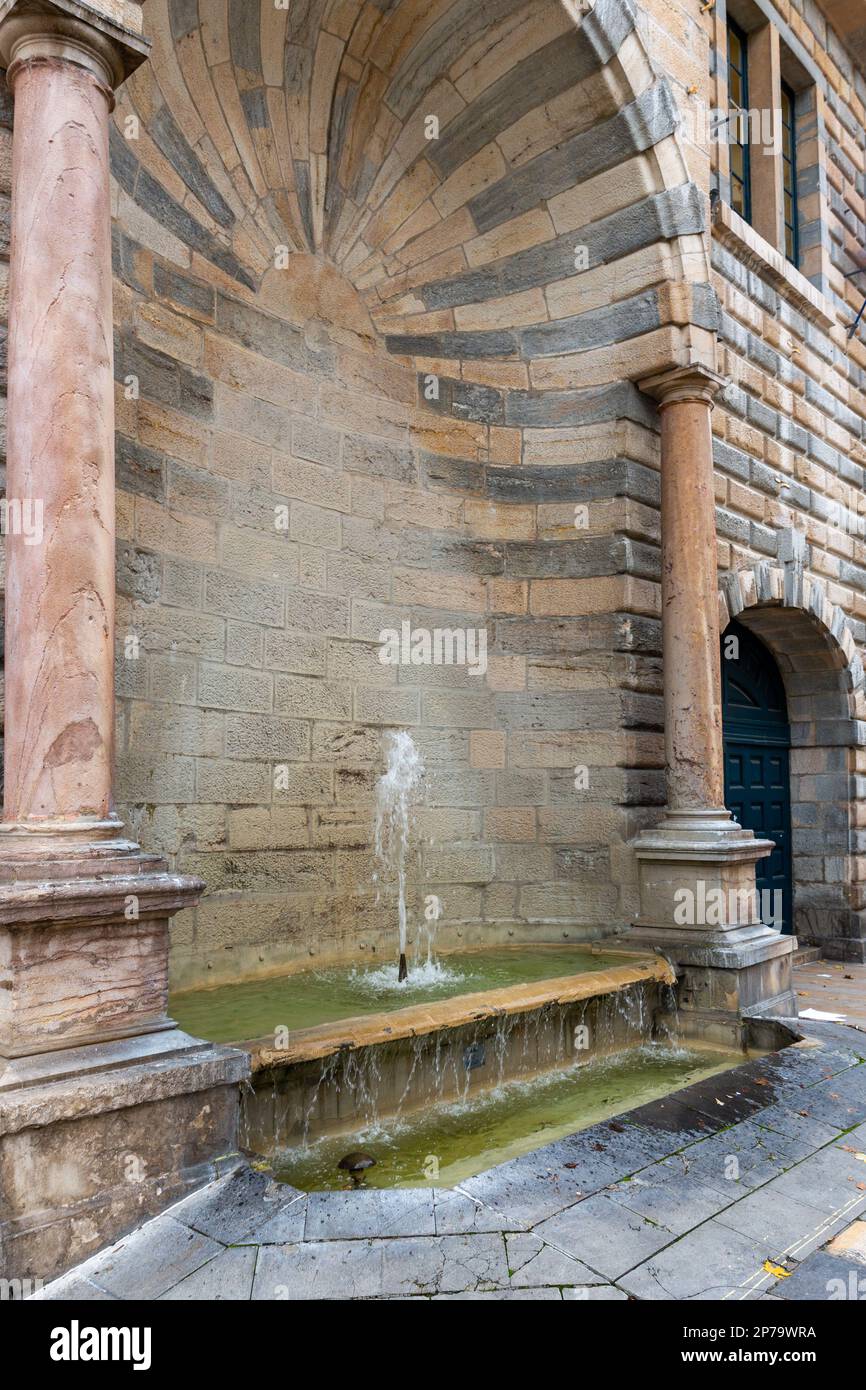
(226, 1277)
(371, 1268)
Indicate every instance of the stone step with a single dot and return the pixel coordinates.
(804, 955)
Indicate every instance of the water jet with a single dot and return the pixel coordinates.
(395, 793)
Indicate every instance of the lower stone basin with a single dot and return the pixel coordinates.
(449, 1142)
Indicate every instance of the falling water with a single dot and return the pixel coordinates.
(395, 791)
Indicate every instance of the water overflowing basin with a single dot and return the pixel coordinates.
(306, 998)
(451, 1142)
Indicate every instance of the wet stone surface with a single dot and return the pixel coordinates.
(690, 1197)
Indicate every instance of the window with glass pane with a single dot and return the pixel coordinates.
(789, 175)
(738, 122)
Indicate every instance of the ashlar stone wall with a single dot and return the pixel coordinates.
(423, 350)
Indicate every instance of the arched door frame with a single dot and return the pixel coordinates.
(814, 648)
(757, 745)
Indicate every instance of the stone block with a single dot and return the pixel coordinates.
(229, 687)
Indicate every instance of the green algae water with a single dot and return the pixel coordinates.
(445, 1144)
(256, 1008)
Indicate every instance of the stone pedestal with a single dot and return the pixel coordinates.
(696, 870)
(107, 1111)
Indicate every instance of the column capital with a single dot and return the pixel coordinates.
(693, 383)
(104, 37)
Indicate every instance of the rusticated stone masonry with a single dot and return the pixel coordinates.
(443, 407)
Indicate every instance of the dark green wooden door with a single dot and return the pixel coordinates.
(757, 759)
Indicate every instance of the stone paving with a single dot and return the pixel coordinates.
(747, 1185)
(833, 986)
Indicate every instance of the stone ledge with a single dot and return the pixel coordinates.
(735, 233)
(70, 903)
(309, 1044)
(78, 1094)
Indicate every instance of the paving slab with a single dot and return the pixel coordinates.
(615, 1147)
(538, 1185)
(776, 1220)
(282, 1227)
(669, 1197)
(147, 1263)
(456, 1211)
(814, 1103)
(739, 1159)
(228, 1210)
(75, 1289)
(682, 1124)
(500, 1295)
(595, 1293)
(370, 1212)
(726, 1098)
(226, 1278)
(607, 1237)
(823, 1278)
(712, 1262)
(805, 1129)
(854, 1138)
(534, 1264)
(828, 1180)
(850, 1087)
(373, 1268)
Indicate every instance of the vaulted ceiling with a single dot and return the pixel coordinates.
(445, 155)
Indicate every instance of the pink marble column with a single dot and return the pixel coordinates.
(84, 911)
(60, 587)
(690, 610)
(698, 852)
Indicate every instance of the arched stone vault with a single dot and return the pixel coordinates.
(295, 261)
(811, 641)
(308, 127)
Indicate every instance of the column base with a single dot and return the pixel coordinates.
(108, 1112)
(84, 917)
(699, 908)
(96, 1139)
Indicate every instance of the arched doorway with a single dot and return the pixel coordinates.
(757, 739)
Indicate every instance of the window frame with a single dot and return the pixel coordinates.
(789, 176)
(742, 111)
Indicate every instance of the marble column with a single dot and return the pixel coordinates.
(60, 456)
(696, 870)
(690, 612)
(84, 911)
(91, 1066)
